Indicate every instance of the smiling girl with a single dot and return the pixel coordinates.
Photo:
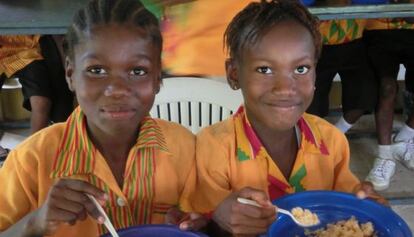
(136, 166)
(270, 147)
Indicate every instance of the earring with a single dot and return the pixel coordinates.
(235, 86)
(314, 88)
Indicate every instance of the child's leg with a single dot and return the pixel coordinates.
(383, 168)
(404, 140)
(61, 96)
(45, 91)
(3, 151)
(408, 95)
(385, 62)
(404, 150)
(41, 107)
(325, 73)
(384, 114)
(343, 125)
(407, 131)
(36, 93)
(359, 88)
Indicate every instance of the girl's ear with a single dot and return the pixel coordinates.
(69, 68)
(231, 73)
(158, 84)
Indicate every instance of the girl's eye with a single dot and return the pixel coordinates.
(138, 72)
(264, 70)
(301, 70)
(97, 70)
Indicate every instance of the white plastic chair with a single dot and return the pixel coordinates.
(195, 102)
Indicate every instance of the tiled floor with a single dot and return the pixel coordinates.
(11, 140)
(406, 212)
(363, 149)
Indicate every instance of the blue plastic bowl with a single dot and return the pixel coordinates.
(308, 2)
(367, 2)
(333, 206)
(156, 231)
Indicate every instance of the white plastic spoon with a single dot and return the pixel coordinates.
(286, 212)
(107, 222)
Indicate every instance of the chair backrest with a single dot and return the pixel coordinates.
(195, 102)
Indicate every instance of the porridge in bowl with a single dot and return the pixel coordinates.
(305, 216)
(345, 228)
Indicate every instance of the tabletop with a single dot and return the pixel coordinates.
(54, 16)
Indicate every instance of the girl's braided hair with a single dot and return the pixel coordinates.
(104, 12)
(256, 19)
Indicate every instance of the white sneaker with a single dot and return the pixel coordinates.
(380, 175)
(404, 152)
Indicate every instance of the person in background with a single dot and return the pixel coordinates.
(390, 43)
(270, 147)
(35, 60)
(344, 52)
(109, 147)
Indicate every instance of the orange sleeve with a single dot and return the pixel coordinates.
(345, 180)
(18, 190)
(185, 166)
(212, 185)
(175, 172)
(189, 188)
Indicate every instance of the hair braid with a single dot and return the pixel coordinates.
(257, 18)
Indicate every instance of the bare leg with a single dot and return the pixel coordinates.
(384, 114)
(384, 165)
(348, 119)
(41, 107)
(353, 115)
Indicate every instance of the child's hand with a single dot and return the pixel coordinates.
(185, 221)
(67, 203)
(242, 219)
(366, 190)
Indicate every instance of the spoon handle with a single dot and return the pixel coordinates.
(107, 222)
(248, 202)
(254, 203)
(286, 212)
(279, 210)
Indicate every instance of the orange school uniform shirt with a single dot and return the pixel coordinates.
(156, 172)
(229, 157)
(341, 31)
(389, 24)
(18, 51)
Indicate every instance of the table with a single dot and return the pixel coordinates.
(54, 16)
(37, 16)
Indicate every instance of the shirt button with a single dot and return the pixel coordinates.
(120, 202)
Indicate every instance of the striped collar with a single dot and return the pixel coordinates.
(249, 147)
(311, 137)
(77, 154)
(249, 144)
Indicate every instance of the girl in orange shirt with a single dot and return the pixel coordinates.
(270, 147)
(109, 147)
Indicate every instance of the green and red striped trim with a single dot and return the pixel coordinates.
(76, 156)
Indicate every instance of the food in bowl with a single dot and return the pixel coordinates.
(305, 216)
(345, 228)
